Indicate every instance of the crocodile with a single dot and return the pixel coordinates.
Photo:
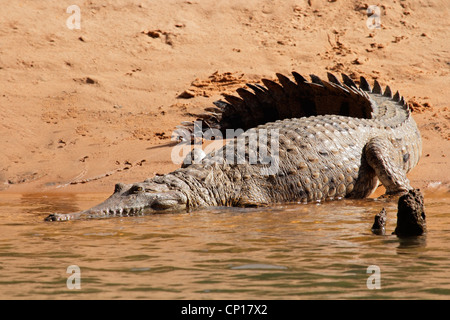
(334, 139)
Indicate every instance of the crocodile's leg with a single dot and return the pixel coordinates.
(380, 155)
(367, 181)
(379, 162)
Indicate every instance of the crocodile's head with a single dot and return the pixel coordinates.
(130, 200)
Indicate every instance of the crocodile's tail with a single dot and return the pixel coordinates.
(288, 99)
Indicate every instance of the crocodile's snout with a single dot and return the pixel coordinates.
(58, 217)
(130, 200)
(52, 217)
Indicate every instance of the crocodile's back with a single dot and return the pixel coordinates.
(334, 139)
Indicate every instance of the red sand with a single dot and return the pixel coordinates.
(99, 104)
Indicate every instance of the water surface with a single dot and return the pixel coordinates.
(283, 252)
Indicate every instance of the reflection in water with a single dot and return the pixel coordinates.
(412, 242)
(281, 252)
(39, 203)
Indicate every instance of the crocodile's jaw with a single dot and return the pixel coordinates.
(131, 200)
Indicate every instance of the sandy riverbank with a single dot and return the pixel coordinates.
(99, 103)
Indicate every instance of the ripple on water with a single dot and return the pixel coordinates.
(290, 251)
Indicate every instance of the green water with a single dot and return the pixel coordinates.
(283, 252)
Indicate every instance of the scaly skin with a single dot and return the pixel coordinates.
(335, 141)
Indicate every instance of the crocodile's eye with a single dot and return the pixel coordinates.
(136, 189)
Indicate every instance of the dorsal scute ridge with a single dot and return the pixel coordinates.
(348, 81)
(315, 79)
(332, 79)
(387, 92)
(396, 97)
(285, 98)
(353, 89)
(299, 78)
(376, 87)
(364, 84)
